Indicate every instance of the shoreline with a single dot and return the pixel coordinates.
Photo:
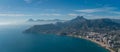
(94, 41)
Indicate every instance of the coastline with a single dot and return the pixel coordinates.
(94, 41)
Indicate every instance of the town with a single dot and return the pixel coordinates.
(109, 41)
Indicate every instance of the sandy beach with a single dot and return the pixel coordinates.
(99, 43)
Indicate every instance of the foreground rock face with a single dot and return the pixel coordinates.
(77, 25)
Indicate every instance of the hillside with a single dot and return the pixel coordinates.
(79, 24)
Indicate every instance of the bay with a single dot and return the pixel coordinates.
(13, 40)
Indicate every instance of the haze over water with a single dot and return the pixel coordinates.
(13, 40)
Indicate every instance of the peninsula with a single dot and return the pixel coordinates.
(105, 32)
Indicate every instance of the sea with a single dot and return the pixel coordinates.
(12, 39)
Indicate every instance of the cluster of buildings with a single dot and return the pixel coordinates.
(118, 50)
(111, 41)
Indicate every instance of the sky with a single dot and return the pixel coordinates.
(21, 10)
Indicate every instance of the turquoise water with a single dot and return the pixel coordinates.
(13, 40)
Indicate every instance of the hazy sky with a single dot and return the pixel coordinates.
(12, 10)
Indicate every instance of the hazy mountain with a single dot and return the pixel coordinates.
(31, 20)
(39, 20)
(77, 25)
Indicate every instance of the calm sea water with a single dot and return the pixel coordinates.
(13, 40)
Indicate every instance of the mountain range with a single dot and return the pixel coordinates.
(39, 20)
(78, 25)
